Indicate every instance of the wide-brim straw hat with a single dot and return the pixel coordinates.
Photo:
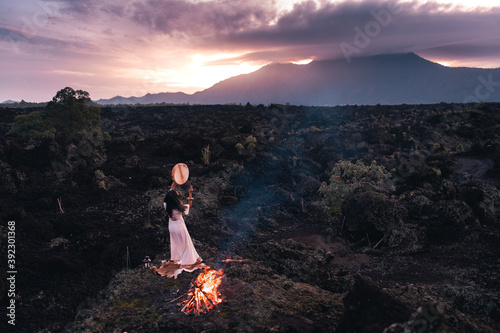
(180, 173)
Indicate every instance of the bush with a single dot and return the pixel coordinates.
(34, 124)
(346, 177)
(373, 216)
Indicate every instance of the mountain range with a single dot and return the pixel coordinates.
(382, 79)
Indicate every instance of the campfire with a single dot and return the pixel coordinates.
(203, 294)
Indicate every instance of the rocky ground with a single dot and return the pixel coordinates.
(430, 246)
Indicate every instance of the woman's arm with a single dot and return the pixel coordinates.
(172, 187)
(190, 198)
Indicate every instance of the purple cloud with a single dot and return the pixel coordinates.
(390, 26)
(191, 18)
(310, 29)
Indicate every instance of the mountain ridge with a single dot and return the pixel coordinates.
(382, 79)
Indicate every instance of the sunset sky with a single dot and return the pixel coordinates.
(135, 47)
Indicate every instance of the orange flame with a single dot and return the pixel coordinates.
(204, 292)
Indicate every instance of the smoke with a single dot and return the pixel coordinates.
(279, 187)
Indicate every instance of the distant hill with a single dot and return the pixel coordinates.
(383, 79)
(9, 101)
(149, 99)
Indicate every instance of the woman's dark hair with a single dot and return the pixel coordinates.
(173, 202)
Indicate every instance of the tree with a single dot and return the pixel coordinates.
(69, 112)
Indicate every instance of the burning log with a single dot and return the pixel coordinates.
(204, 294)
(236, 260)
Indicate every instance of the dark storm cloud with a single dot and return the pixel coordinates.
(310, 29)
(376, 27)
(477, 48)
(193, 18)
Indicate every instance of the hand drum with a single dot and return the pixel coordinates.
(180, 173)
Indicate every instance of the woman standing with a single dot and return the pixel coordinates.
(182, 250)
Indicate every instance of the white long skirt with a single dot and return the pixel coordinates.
(181, 246)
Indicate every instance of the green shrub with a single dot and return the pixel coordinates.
(346, 177)
(205, 155)
(251, 142)
(34, 124)
(100, 177)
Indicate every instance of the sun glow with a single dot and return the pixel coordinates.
(201, 72)
(302, 62)
(445, 63)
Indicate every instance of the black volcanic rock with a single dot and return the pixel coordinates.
(369, 309)
(79, 270)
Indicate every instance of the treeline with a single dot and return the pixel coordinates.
(22, 104)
